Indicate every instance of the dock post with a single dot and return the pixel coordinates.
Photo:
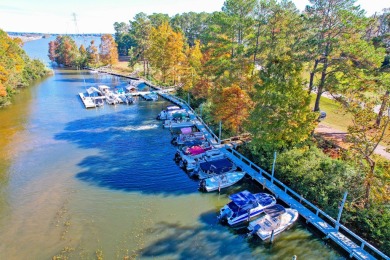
(220, 132)
(272, 236)
(341, 210)
(273, 168)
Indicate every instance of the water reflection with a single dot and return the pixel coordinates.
(135, 153)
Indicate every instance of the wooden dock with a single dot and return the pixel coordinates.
(336, 232)
(87, 101)
(332, 229)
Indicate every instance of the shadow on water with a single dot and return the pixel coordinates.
(135, 153)
(202, 242)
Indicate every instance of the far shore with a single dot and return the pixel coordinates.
(27, 38)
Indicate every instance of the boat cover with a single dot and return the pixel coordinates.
(217, 166)
(243, 198)
(192, 143)
(264, 199)
(173, 107)
(186, 130)
(195, 150)
(275, 210)
(179, 115)
(93, 89)
(102, 87)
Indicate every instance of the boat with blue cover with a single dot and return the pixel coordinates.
(209, 169)
(245, 206)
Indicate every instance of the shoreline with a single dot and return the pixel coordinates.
(27, 38)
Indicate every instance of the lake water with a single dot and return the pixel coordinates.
(83, 184)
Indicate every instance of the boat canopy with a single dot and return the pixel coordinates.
(243, 198)
(195, 150)
(217, 166)
(179, 115)
(186, 130)
(173, 107)
(91, 90)
(275, 210)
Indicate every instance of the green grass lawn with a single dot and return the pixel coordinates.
(335, 117)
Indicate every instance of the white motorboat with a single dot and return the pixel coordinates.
(92, 99)
(111, 99)
(169, 111)
(178, 123)
(219, 182)
(103, 89)
(276, 220)
(87, 101)
(152, 96)
(245, 206)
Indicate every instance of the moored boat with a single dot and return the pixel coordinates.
(221, 181)
(164, 114)
(152, 96)
(212, 168)
(187, 135)
(87, 101)
(245, 206)
(276, 219)
(178, 122)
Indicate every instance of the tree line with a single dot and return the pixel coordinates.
(16, 68)
(64, 51)
(256, 64)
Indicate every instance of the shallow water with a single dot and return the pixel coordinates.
(84, 183)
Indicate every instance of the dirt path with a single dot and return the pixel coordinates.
(338, 137)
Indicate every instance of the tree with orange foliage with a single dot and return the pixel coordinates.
(108, 50)
(92, 55)
(64, 51)
(232, 107)
(166, 52)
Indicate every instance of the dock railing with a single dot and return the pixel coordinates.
(259, 172)
(313, 208)
(199, 118)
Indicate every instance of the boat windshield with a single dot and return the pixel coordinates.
(233, 206)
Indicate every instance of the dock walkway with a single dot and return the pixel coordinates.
(333, 230)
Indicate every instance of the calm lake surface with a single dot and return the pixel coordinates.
(84, 183)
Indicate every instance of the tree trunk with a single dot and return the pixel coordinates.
(321, 86)
(147, 69)
(385, 98)
(312, 73)
(323, 78)
(368, 183)
(256, 47)
(144, 68)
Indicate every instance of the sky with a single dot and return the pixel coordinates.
(97, 16)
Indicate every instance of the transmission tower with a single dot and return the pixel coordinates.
(75, 23)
